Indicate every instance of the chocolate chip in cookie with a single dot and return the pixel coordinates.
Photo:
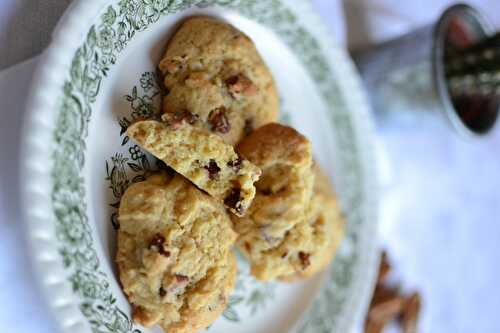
(213, 169)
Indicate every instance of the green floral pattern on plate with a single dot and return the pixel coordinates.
(91, 63)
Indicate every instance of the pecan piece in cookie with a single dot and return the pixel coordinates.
(410, 314)
(233, 200)
(157, 242)
(304, 259)
(176, 283)
(175, 120)
(240, 84)
(218, 120)
(235, 164)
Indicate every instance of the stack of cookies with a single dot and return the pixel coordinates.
(238, 177)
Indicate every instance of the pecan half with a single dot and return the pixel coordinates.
(372, 326)
(389, 305)
(410, 314)
(386, 310)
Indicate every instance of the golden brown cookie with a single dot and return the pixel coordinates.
(214, 71)
(284, 192)
(174, 254)
(293, 227)
(202, 157)
(285, 187)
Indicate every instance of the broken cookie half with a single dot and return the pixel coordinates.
(200, 156)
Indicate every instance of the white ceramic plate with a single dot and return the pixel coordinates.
(99, 73)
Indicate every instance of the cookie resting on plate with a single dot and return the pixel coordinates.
(293, 227)
(214, 71)
(202, 157)
(174, 254)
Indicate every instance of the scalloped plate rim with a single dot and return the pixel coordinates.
(39, 122)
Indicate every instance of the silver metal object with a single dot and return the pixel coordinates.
(407, 73)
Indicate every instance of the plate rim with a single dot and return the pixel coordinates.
(39, 124)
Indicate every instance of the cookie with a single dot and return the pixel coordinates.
(202, 157)
(214, 71)
(174, 254)
(285, 186)
(283, 197)
(294, 226)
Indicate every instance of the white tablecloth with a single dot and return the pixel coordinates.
(440, 199)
